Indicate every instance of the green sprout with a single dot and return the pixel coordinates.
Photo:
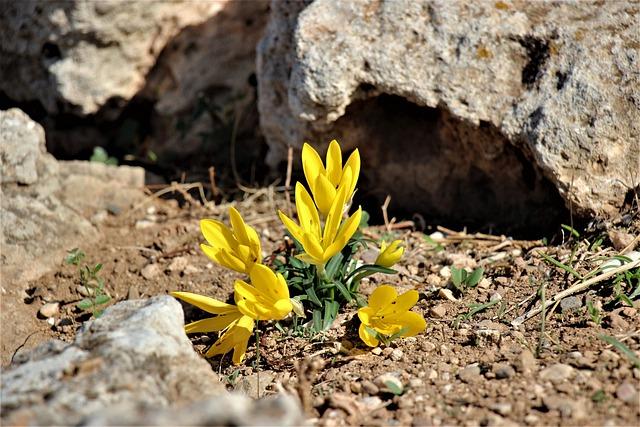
(91, 281)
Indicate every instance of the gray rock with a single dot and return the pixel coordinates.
(470, 373)
(557, 373)
(502, 109)
(503, 371)
(132, 366)
(84, 53)
(627, 392)
(570, 303)
(45, 210)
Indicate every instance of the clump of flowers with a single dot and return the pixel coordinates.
(316, 276)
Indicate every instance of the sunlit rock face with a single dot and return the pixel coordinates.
(489, 112)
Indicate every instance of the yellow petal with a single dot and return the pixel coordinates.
(212, 324)
(401, 304)
(239, 350)
(414, 323)
(309, 259)
(366, 337)
(238, 226)
(254, 244)
(365, 314)
(325, 193)
(307, 212)
(264, 280)
(217, 234)
(334, 163)
(230, 260)
(282, 308)
(353, 162)
(248, 308)
(382, 296)
(312, 246)
(293, 228)
(210, 305)
(245, 290)
(311, 164)
(334, 217)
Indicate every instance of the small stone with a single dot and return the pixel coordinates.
(484, 283)
(461, 261)
(415, 383)
(620, 239)
(503, 370)
(85, 291)
(141, 224)
(377, 351)
(495, 297)
(99, 217)
(370, 388)
(615, 321)
(191, 269)
(150, 271)
(445, 272)
(627, 393)
(447, 294)
(501, 408)
(557, 373)
(428, 346)
(356, 387)
(51, 321)
(438, 311)
(133, 293)
(531, 420)
(389, 383)
(396, 355)
(502, 280)
(433, 280)
(526, 362)
(178, 264)
(49, 309)
(570, 303)
(432, 375)
(386, 352)
(486, 337)
(470, 373)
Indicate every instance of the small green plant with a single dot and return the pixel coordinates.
(594, 312)
(473, 310)
(100, 155)
(91, 281)
(626, 351)
(462, 280)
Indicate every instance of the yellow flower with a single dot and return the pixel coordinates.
(236, 328)
(266, 298)
(390, 254)
(237, 248)
(324, 181)
(388, 314)
(320, 245)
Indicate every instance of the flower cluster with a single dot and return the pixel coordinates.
(321, 272)
(266, 297)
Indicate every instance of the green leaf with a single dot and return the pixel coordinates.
(369, 269)
(102, 299)
(330, 312)
(558, 264)
(475, 277)
(97, 268)
(457, 276)
(344, 291)
(317, 320)
(622, 349)
(296, 263)
(571, 230)
(393, 387)
(364, 219)
(85, 304)
(333, 264)
(313, 297)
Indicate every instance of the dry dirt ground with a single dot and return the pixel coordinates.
(465, 369)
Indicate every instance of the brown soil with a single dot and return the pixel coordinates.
(475, 371)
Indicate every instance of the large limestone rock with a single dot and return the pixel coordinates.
(47, 207)
(82, 53)
(132, 366)
(481, 111)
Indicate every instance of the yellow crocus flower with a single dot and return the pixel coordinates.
(389, 254)
(266, 298)
(388, 314)
(325, 181)
(237, 248)
(321, 244)
(236, 328)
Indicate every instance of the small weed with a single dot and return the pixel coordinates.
(462, 280)
(599, 396)
(100, 155)
(594, 312)
(473, 310)
(91, 281)
(434, 246)
(232, 378)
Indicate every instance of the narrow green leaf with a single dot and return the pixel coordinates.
(313, 297)
(344, 291)
(456, 276)
(558, 264)
(626, 351)
(85, 304)
(475, 277)
(333, 265)
(571, 230)
(317, 320)
(102, 299)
